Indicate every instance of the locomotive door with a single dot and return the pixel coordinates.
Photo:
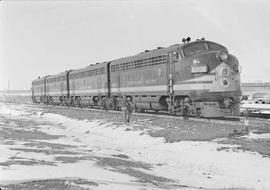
(170, 74)
(170, 81)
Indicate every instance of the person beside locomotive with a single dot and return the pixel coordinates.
(127, 108)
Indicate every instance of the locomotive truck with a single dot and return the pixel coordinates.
(201, 73)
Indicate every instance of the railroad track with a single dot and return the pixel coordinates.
(232, 121)
(227, 121)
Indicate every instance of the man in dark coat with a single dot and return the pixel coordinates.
(186, 108)
(129, 109)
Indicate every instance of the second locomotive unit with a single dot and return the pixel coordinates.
(201, 73)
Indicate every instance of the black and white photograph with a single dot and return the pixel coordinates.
(134, 95)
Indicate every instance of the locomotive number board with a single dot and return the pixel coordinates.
(199, 69)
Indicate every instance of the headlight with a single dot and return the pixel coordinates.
(237, 68)
(196, 62)
(224, 72)
(223, 56)
(225, 82)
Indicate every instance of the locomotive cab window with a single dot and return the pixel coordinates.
(214, 46)
(194, 48)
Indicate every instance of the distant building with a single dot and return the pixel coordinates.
(256, 84)
(256, 90)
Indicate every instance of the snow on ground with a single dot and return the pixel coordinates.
(195, 164)
(256, 136)
(84, 169)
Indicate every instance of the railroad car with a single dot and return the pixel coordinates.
(88, 86)
(39, 90)
(202, 74)
(57, 88)
(143, 77)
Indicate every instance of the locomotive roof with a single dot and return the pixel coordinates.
(90, 67)
(57, 75)
(148, 53)
(158, 51)
(39, 79)
(155, 52)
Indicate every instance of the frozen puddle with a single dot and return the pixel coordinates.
(117, 158)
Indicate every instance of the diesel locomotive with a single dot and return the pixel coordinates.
(201, 73)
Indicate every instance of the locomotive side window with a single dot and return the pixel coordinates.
(139, 64)
(194, 48)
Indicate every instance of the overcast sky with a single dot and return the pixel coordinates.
(38, 38)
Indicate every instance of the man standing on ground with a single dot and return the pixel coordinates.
(129, 109)
(186, 108)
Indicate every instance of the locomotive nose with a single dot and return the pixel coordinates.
(227, 77)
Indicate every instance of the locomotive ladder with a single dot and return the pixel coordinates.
(171, 95)
(170, 101)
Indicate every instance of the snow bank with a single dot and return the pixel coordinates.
(195, 164)
(256, 136)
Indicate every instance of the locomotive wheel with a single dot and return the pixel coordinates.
(179, 104)
(66, 102)
(61, 100)
(72, 102)
(112, 104)
(141, 110)
(51, 101)
(78, 102)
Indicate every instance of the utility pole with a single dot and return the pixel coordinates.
(8, 88)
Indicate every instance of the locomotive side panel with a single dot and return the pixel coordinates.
(149, 80)
(142, 77)
(89, 85)
(57, 88)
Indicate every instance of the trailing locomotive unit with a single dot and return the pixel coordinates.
(57, 88)
(201, 73)
(39, 90)
(88, 86)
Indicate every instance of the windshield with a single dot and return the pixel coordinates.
(214, 46)
(193, 48)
